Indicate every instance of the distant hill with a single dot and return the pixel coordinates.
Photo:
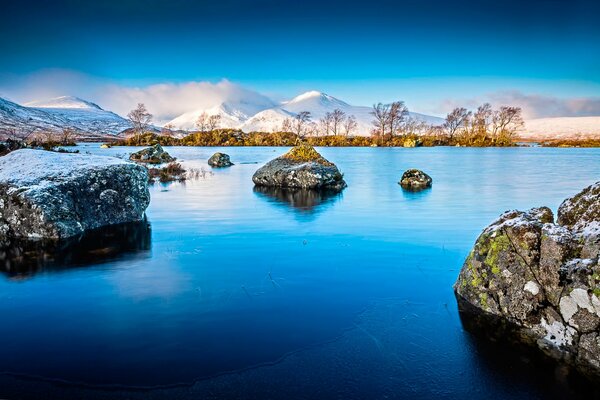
(562, 128)
(54, 114)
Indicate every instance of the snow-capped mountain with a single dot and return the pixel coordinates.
(269, 117)
(233, 113)
(561, 128)
(61, 112)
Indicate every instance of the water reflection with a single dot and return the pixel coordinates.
(25, 258)
(304, 200)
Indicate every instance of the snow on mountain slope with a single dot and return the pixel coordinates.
(233, 113)
(266, 121)
(64, 102)
(61, 112)
(562, 128)
(270, 118)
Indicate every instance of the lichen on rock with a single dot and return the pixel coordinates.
(302, 167)
(220, 160)
(542, 277)
(415, 180)
(152, 155)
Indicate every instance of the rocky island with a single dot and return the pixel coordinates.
(540, 279)
(56, 195)
(300, 168)
(152, 155)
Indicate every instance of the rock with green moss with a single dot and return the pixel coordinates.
(415, 180)
(541, 278)
(301, 167)
(152, 155)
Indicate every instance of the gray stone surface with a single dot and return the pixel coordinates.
(54, 195)
(219, 160)
(415, 180)
(290, 172)
(153, 155)
(542, 277)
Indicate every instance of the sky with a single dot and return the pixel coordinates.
(543, 55)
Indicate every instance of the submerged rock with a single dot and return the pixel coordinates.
(152, 155)
(57, 195)
(301, 167)
(542, 278)
(219, 160)
(415, 180)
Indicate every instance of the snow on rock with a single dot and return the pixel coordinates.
(551, 292)
(58, 195)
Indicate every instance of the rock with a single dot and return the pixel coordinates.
(301, 167)
(152, 155)
(411, 142)
(542, 277)
(220, 160)
(415, 180)
(57, 195)
(11, 145)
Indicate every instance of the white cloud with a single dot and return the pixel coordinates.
(164, 100)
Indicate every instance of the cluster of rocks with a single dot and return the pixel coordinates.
(542, 278)
(57, 195)
(152, 155)
(303, 168)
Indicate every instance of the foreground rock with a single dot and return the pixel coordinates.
(415, 180)
(301, 167)
(152, 155)
(542, 278)
(219, 160)
(55, 195)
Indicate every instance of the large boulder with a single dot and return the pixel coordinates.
(57, 195)
(542, 278)
(219, 160)
(415, 180)
(152, 155)
(301, 167)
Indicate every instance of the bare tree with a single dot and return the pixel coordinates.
(397, 114)
(67, 136)
(456, 120)
(167, 130)
(506, 122)
(213, 122)
(337, 119)
(202, 122)
(325, 123)
(350, 125)
(415, 126)
(140, 119)
(482, 119)
(300, 121)
(287, 125)
(381, 113)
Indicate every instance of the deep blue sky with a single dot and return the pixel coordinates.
(361, 50)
